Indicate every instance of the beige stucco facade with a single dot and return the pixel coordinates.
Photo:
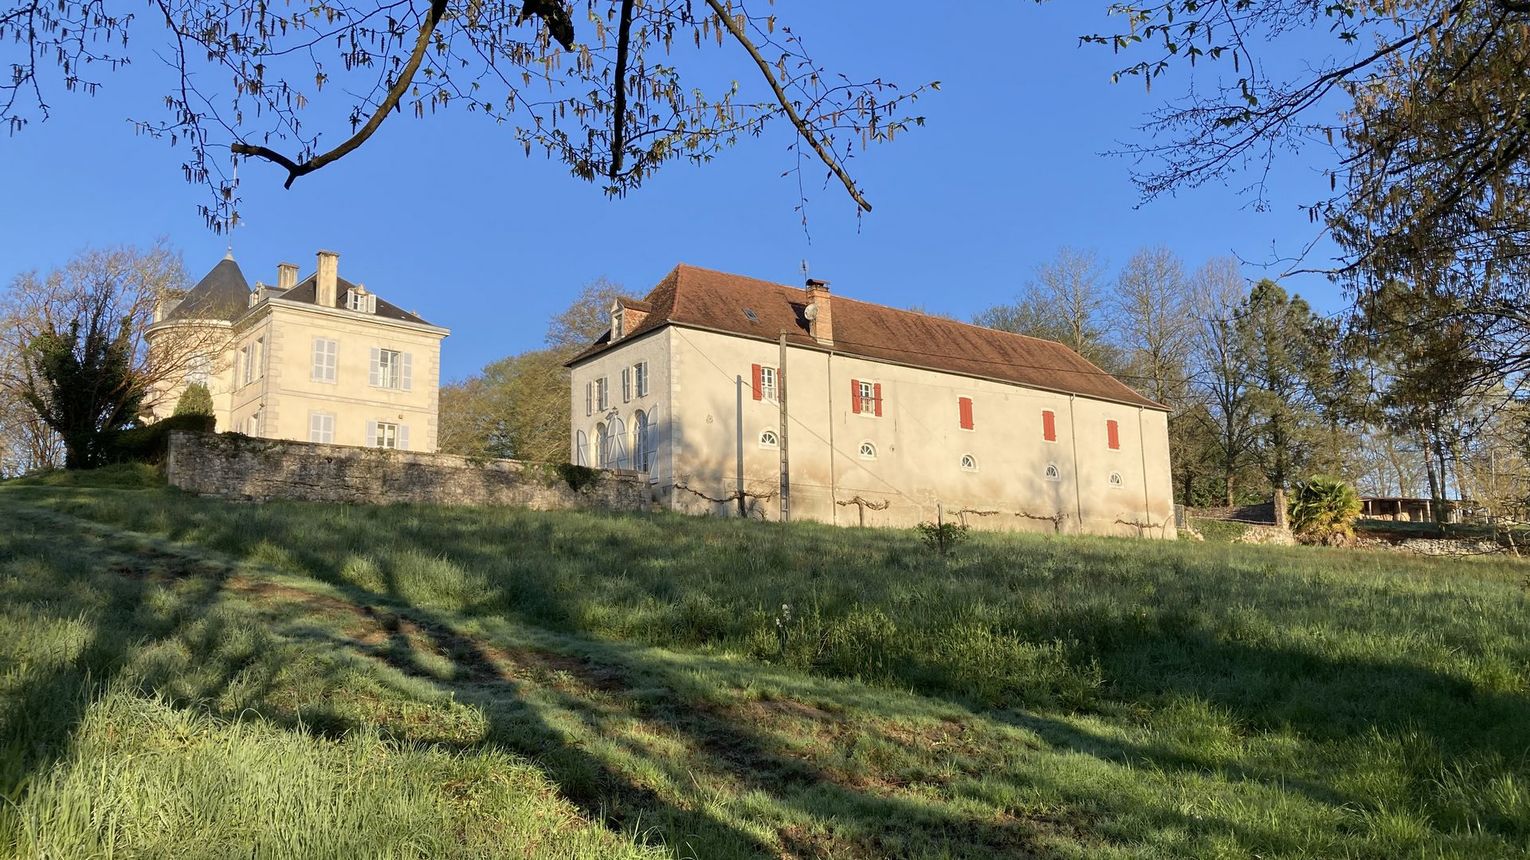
(910, 464)
(315, 372)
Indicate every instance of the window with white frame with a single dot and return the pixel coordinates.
(769, 439)
(201, 370)
(626, 385)
(969, 463)
(602, 396)
(391, 369)
(1115, 480)
(602, 447)
(252, 361)
(321, 427)
(385, 434)
(868, 398)
(768, 388)
(868, 451)
(252, 424)
(326, 354)
(640, 378)
(361, 300)
(1053, 473)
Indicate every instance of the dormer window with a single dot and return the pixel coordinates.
(617, 321)
(361, 301)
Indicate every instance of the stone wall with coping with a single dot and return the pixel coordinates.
(233, 466)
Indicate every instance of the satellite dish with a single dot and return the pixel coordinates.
(810, 313)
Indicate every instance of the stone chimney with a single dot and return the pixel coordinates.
(286, 276)
(820, 312)
(326, 284)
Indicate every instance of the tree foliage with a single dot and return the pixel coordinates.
(1065, 300)
(614, 89)
(1323, 510)
(80, 381)
(195, 400)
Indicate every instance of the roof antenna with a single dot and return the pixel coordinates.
(804, 270)
(233, 217)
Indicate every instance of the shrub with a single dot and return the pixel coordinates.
(942, 537)
(1323, 510)
(148, 444)
(578, 477)
(195, 400)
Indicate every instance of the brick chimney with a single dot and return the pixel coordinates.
(286, 276)
(820, 312)
(326, 281)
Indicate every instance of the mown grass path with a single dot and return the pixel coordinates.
(1193, 720)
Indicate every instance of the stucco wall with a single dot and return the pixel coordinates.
(288, 393)
(238, 467)
(656, 405)
(919, 445)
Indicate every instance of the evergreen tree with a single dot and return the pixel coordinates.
(195, 400)
(81, 382)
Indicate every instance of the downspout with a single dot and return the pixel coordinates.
(1078, 492)
(1147, 500)
(828, 363)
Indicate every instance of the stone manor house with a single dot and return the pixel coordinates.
(892, 416)
(312, 359)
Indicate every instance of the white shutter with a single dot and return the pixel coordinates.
(626, 384)
(589, 399)
(403, 436)
(375, 378)
(372, 431)
(315, 427)
(408, 370)
(581, 449)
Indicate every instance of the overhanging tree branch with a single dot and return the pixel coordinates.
(389, 104)
(804, 128)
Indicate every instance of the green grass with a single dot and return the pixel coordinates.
(544, 684)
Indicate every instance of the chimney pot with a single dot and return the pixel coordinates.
(326, 282)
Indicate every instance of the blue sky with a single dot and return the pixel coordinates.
(447, 217)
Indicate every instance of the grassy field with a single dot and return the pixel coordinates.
(208, 679)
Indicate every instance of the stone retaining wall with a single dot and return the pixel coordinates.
(233, 466)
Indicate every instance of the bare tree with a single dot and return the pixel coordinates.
(612, 88)
(1065, 301)
(1153, 322)
(586, 319)
(124, 286)
(1219, 376)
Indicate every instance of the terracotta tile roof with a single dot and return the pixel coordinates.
(703, 298)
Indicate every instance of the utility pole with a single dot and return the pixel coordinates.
(786, 482)
(738, 425)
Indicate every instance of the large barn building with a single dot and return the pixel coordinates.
(891, 417)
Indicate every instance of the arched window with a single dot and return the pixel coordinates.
(640, 459)
(1053, 473)
(969, 463)
(1115, 479)
(769, 439)
(581, 449)
(601, 448)
(868, 451)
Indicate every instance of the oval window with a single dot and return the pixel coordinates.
(969, 463)
(769, 439)
(868, 451)
(1115, 479)
(1053, 473)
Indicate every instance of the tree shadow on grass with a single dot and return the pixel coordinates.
(81, 578)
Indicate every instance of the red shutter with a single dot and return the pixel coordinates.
(1049, 425)
(964, 408)
(758, 388)
(855, 395)
(876, 397)
(1113, 434)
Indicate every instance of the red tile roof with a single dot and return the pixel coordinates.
(734, 304)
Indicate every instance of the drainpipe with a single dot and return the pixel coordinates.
(1147, 501)
(1078, 493)
(828, 363)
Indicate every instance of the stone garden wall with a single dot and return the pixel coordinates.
(233, 466)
